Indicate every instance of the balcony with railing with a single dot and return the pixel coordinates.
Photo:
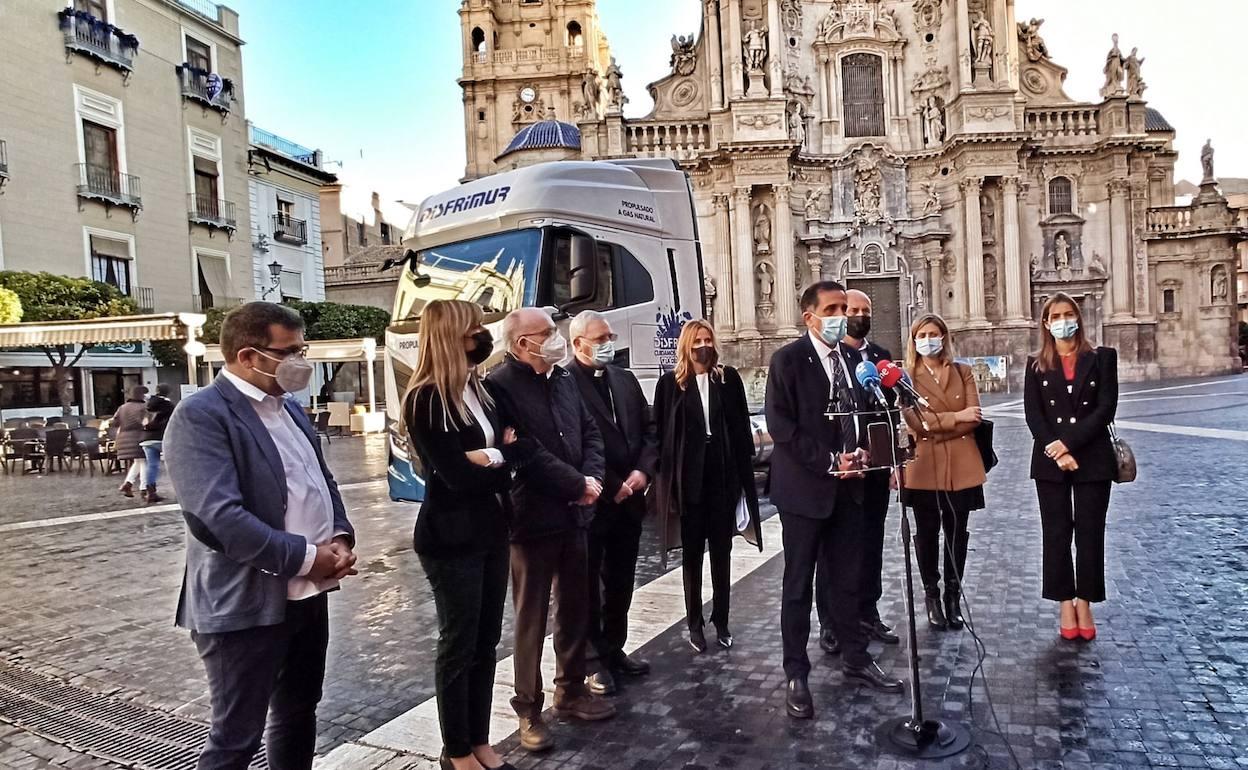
(207, 88)
(366, 272)
(213, 213)
(1167, 220)
(287, 229)
(206, 8)
(202, 302)
(283, 146)
(661, 139)
(534, 55)
(144, 298)
(98, 40)
(109, 186)
(1077, 122)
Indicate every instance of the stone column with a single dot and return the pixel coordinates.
(974, 248)
(715, 53)
(814, 261)
(736, 67)
(1119, 248)
(1139, 214)
(775, 53)
(1013, 257)
(786, 273)
(964, 46)
(725, 318)
(743, 257)
(933, 285)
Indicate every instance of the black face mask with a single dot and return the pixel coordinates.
(485, 346)
(705, 356)
(858, 326)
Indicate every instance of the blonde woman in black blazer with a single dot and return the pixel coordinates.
(1070, 396)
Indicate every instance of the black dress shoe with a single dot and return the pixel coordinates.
(828, 642)
(935, 615)
(723, 637)
(877, 630)
(872, 676)
(953, 610)
(601, 683)
(632, 666)
(697, 640)
(797, 700)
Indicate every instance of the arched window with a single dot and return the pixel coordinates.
(575, 38)
(1061, 195)
(478, 39)
(1167, 301)
(863, 93)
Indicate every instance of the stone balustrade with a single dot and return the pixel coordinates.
(1169, 219)
(659, 139)
(528, 55)
(1077, 121)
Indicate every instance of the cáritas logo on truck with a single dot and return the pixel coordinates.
(464, 203)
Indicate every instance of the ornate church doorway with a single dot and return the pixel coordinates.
(886, 312)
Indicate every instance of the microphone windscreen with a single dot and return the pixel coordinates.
(867, 374)
(890, 373)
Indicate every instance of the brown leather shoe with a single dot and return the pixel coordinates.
(151, 497)
(126, 489)
(534, 735)
(585, 707)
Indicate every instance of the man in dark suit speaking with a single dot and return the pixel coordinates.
(816, 484)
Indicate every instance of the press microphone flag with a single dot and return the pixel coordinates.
(869, 378)
(893, 376)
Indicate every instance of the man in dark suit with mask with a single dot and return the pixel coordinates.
(856, 348)
(619, 407)
(817, 486)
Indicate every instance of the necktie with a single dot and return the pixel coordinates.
(844, 402)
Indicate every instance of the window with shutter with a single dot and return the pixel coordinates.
(863, 94)
(110, 263)
(198, 54)
(100, 151)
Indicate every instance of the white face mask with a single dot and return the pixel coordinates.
(602, 353)
(554, 349)
(929, 346)
(293, 373)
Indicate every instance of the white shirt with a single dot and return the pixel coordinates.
(703, 381)
(309, 509)
(478, 413)
(831, 369)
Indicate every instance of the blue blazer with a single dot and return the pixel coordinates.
(230, 483)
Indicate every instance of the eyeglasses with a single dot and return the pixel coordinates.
(301, 351)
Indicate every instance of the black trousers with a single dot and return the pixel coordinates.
(838, 541)
(876, 494)
(559, 561)
(703, 526)
(469, 591)
(928, 524)
(266, 673)
(614, 540)
(1068, 509)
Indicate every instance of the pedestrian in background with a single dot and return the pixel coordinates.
(159, 408)
(945, 480)
(1070, 396)
(128, 420)
(706, 473)
(467, 455)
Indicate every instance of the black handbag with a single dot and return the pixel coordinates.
(983, 440)
(1124, 456)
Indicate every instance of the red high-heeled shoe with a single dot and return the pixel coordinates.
(1069, 634)
(1088, 634)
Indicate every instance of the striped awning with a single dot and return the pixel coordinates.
(362, 349)
(96, 331)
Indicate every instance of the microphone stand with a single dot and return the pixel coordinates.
(913, 736)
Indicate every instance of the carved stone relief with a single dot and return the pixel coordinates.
(683, 60)
(990, 285)
(762, 229)
(927, 17)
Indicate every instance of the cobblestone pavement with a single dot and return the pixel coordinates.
(1165, 684)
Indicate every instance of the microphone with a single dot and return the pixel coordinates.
(869, 378)
(893, 376)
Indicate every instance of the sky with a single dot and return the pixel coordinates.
(373, 83)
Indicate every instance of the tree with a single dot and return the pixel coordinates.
(336, 321)
(49, 297)
(10, 307)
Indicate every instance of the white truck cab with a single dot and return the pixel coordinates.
(619, 237)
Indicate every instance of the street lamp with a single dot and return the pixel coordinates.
(275, 274)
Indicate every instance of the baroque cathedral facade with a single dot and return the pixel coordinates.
(923, 151)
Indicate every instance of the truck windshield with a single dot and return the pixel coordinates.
(498, 272)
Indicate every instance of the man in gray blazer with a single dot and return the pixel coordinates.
(267, 537)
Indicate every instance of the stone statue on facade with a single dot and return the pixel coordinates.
(920, 295)
(590, 90)
(1033, 45)
(934, 120)
(814, 203)
(754, 41)
(981, 30)
(1135, 83)
(990, 282)
(987, 219)
(797, 124)
(1206, 161)
(1114, 70)
(709, 292)
(683, 59)
(766, 282)
(1220, 287)
(824, 32)
(888, 19)
(615, 89)
(931, 201)
(762, 230)
(797, 84)
(1061, 252)
(867, 193)
(1035, 267)
(1096, 267)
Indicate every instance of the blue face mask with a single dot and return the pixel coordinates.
(603, 353)
(1063, 328)
(929, 346)
(833, 328)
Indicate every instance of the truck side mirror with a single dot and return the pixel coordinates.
(583, 274)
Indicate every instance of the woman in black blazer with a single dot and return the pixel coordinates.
(1070, 397)
(465, 454)
(706, 450)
